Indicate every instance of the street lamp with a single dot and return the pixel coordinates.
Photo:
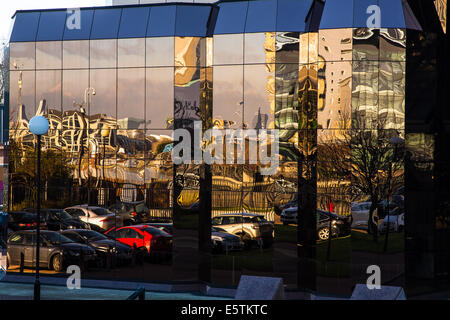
(38, 125)
(104, 133)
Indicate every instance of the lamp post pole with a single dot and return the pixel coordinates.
(38, 125)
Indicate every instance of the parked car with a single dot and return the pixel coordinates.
(396, 220)
(58, 219)
(153, 241)
(223, 241)
(101, 243)
(56, 251)
(289, 215)
(166, 227)
(22, 220)
(249, 227)
(131, 212)
(99, 218)
(290, 204)
(360, 214)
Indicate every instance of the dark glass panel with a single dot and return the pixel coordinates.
(366, 44)
(131, 98)
(85, 19)
(337, 14)
(361, 17)
(287, 47)
(51, 25)
(259, 47)
(48, 55)
(286, 96)
(25, 26)
(160, 51)
(103, 53)
(335, 44)
(392, 14)
(192, 21)
(48, 88)
(75, 82)
(259, 96)
(231, 18)
(131, 52)
(103, 81)
(393, 44)
(187, 96)
(228, 49)
(261, 16)
(161, 22)
(228, 96)
(159, 98)
(105, 24)
(159, 145)
(133, 23)
(22, 98)
(75, 54)
(291, 15)
(22, 56)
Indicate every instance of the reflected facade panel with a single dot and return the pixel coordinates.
(75, 54)
(22, 55)
(131, 52)
(48, 55)
(160, 51)
(104, 101)
(103, 53)
(228, 49)
(159, 98)
(131, 98)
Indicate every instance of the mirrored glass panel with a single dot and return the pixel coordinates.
(231, 18)
(290, 13)
(22, 55)
(335, 44)
(186, 96)
(103, 103)
(366, 44)
(22, 98)
(131, 52)
(48, 88)
(287, 47)
(331, 20)
(161, 22)
(261, 16)
(51, 25)
(48, 55)
(75, 54)
(393, 44)
(131, 98)
(105, 24)
(160, 51)
(133, 23)
(228, 96)
(103, 53)
(192, 21)
(286, 96)
(25, 26)
(259, 47)
(228, 49)
(159, 98)
(75, 82)
(365, 87)
(188, 52)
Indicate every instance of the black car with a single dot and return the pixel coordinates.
(340, 225)
(102, 244)
(166, 227)
(56, 251)
(59, 219)
(23, 220)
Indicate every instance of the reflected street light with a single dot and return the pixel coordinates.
(38, 125)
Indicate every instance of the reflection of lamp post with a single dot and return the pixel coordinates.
(38, 125)
(104, 133)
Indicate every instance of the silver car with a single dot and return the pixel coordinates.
(100, 217)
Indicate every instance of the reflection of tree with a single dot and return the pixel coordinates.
(365, 156)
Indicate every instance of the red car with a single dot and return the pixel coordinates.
(156, 242)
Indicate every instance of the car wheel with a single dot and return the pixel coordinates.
(57, 263)
(323, 234)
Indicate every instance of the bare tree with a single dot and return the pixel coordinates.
(4, 69)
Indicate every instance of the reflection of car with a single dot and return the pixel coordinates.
(130, 212)
(396, 220)
(56, 251)
(250, 227)
(144, 238)
(58, 219)
(360, 214)
(99, 218)
(22, 220)
(101, 243)
(291, 203)
(223, 242)
(289, 215)
(166, 227)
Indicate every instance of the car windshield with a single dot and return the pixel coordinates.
(100, 211)
(56, 238)
(156, 232)
(92, 235)
(61, 214)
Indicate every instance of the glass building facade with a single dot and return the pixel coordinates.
(353, 106)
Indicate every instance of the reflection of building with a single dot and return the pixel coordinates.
(316, 74)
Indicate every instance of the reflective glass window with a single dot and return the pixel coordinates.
(105, 24)
(335, 44)
(104, 101)
(228, 49)
(22, 55)
(231, 18)
(192, 21)
(261, 16)
(393, 44)
(51, 25)
(78, 27)
(259, 47)
(22, 85)
(25, 26)
(75, 82)
(103, 53)
(228, 96)
(75, 54)
(392, 14)
(133, 23)
(337, 14)
(161, 22)
(131, 52)
(48, 87)
(159, 98)
(160, 51)
(186, 96)
(366, 44)
(287, 47)
(48, 55)
(131, 98)
(291, 15)
(188, 51)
